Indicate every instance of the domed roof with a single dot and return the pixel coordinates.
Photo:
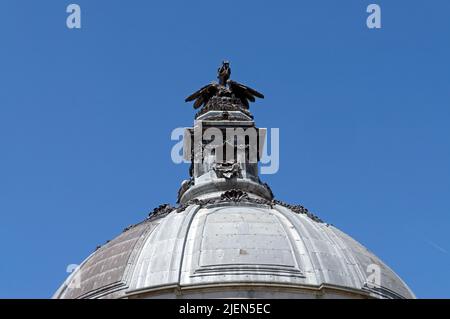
(235, 249)
(229, 237)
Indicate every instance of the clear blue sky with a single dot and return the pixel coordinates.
(86, 117)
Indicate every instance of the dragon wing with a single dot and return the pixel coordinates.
(244, 93)
(203, 95)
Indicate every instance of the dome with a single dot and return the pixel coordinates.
(229, 248)
(228, 237)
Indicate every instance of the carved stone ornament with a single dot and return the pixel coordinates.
(299, 209)
(227, 170)
(224, 104)
(235, 195)
(161, 210)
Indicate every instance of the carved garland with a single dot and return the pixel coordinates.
(233, 195)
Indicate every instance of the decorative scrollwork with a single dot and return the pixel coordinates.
(299, 209)
(235, 195)
(163, 209)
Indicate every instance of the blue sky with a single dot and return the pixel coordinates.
(86, 117)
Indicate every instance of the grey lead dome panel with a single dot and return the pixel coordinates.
(235, 247)
(106, 267)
